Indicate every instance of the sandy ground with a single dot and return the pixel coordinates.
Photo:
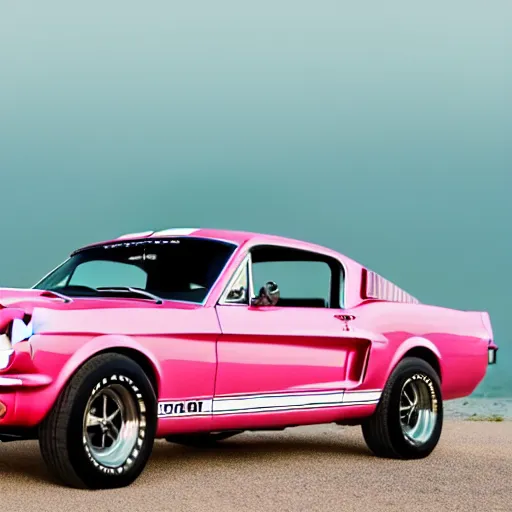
(303, 469)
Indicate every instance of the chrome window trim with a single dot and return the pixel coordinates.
(243, 266)
(343, 287)
(251, 279)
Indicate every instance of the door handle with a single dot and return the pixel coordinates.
(345, 318)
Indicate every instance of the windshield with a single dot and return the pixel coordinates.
(174, 268)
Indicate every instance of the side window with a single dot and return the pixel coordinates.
(108, 273)
(296, 279)
(304, 279)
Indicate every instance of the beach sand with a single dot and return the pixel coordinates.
(317, 468)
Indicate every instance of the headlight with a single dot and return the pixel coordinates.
(17, 331)
(20, 331)
(6, 356)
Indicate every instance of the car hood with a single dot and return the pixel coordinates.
(46, 311)
(9, 296)
(29, 298)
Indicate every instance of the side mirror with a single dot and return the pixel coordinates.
(269, 295)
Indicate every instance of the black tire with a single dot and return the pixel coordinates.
(383, 431)
(65, 447)
(200, 440)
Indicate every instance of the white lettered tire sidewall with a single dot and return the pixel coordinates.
(61, 435)
(122, 371)
(383, 430)
(128, 383)
(410, 372)
(434, 397)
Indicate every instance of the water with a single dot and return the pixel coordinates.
(382, 132)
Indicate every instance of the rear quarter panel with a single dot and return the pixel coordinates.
(459, 340)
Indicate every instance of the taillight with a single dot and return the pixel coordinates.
(492, 350)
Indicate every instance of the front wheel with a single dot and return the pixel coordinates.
(408, 421)
(100, 432)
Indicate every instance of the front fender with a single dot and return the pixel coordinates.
(104, 343)
(32, 405)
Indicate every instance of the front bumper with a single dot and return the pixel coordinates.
(24, 399)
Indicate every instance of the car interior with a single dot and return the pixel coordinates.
(305, 279)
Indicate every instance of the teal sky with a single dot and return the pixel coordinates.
(380, 129)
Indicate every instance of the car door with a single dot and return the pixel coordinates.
(292, 358)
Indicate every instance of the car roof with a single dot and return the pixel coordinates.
(251, 239)
(232, 236)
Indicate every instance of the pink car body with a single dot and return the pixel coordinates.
(218, 366)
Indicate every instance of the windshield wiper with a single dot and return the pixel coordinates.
(129, 289)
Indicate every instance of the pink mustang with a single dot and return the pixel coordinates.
(196, 335)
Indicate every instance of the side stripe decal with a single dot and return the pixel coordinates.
(282, 402)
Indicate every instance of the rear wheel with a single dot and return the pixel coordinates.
(200, 440)
(408, 421)
(100, 432)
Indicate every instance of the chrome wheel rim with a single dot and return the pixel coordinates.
(111, 425)
(418, 414)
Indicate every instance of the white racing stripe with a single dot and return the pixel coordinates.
(362, 396)
(175, 232)
(276, 402)
(135, 235)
